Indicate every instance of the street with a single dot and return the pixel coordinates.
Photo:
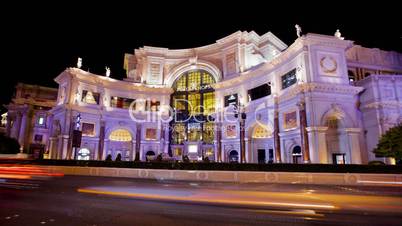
(79, 200)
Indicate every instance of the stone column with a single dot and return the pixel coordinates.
(65, 147)
(105, 148)
(303, 132)
(68, 126)
(49, 120)
(138, 152)
(166, 137)
(242, 137)
(133, 145)
(215, 150)
(21, 131)
(69, 148)
(223, 156)
(218, 142)
(101, 140)
(248, 150)
(277, 141)
(318, 144)
(53, 147)
(17, 125)
(141, 153)
(354, 145)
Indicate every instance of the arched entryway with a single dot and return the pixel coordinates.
(193, 100)
(341, 137)
(233, 156)
(336, 140)
(150, 155)
(296, 154)
(261, 144)
(120, 142)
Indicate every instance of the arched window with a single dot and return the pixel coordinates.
(261, 131)
(297, 154)
(193, 100)
(121, 135)
(84, 154)
(150, 155)
(233, 156)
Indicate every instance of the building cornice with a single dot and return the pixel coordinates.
(383, 104)
(110, 83)
(318, 87)
(238, 37)
(357, 64)
(317, 129)
(34, 101)
(372, 78)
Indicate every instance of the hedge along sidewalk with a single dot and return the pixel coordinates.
(274, 167)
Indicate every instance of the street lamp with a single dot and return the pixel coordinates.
(77, 135)
(242, 120)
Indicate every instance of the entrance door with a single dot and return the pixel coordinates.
(270, 155)
(233, 156)
(37, 150)
(297, 155)
(261, 156)
(338, 158)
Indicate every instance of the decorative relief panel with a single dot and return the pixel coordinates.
(290, 120)
(231, 131)
(154, 74)
(88, 129)
(231, 63)
(328, 64)
(150, 134)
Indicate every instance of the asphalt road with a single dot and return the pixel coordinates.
(73, 200)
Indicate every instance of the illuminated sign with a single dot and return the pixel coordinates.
(194, 88)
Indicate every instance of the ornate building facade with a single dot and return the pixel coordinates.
(246, 98)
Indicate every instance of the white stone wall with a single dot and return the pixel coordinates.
(381, 107)
(322, 84)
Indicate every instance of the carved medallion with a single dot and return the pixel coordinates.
(328, 64)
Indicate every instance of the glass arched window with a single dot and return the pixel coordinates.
(120, 135)
(193, 100)
(261, 132)
(297, 154)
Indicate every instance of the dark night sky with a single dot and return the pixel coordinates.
(40, 40)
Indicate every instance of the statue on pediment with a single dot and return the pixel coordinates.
(107, 71)
(79, 62)
(338, 34)
(298, 30)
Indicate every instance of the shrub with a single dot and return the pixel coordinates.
(109, 158)
(186, 159)
(8, 145)
(390, 144)
(118, 158)
(159, 158)
(376, 163)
